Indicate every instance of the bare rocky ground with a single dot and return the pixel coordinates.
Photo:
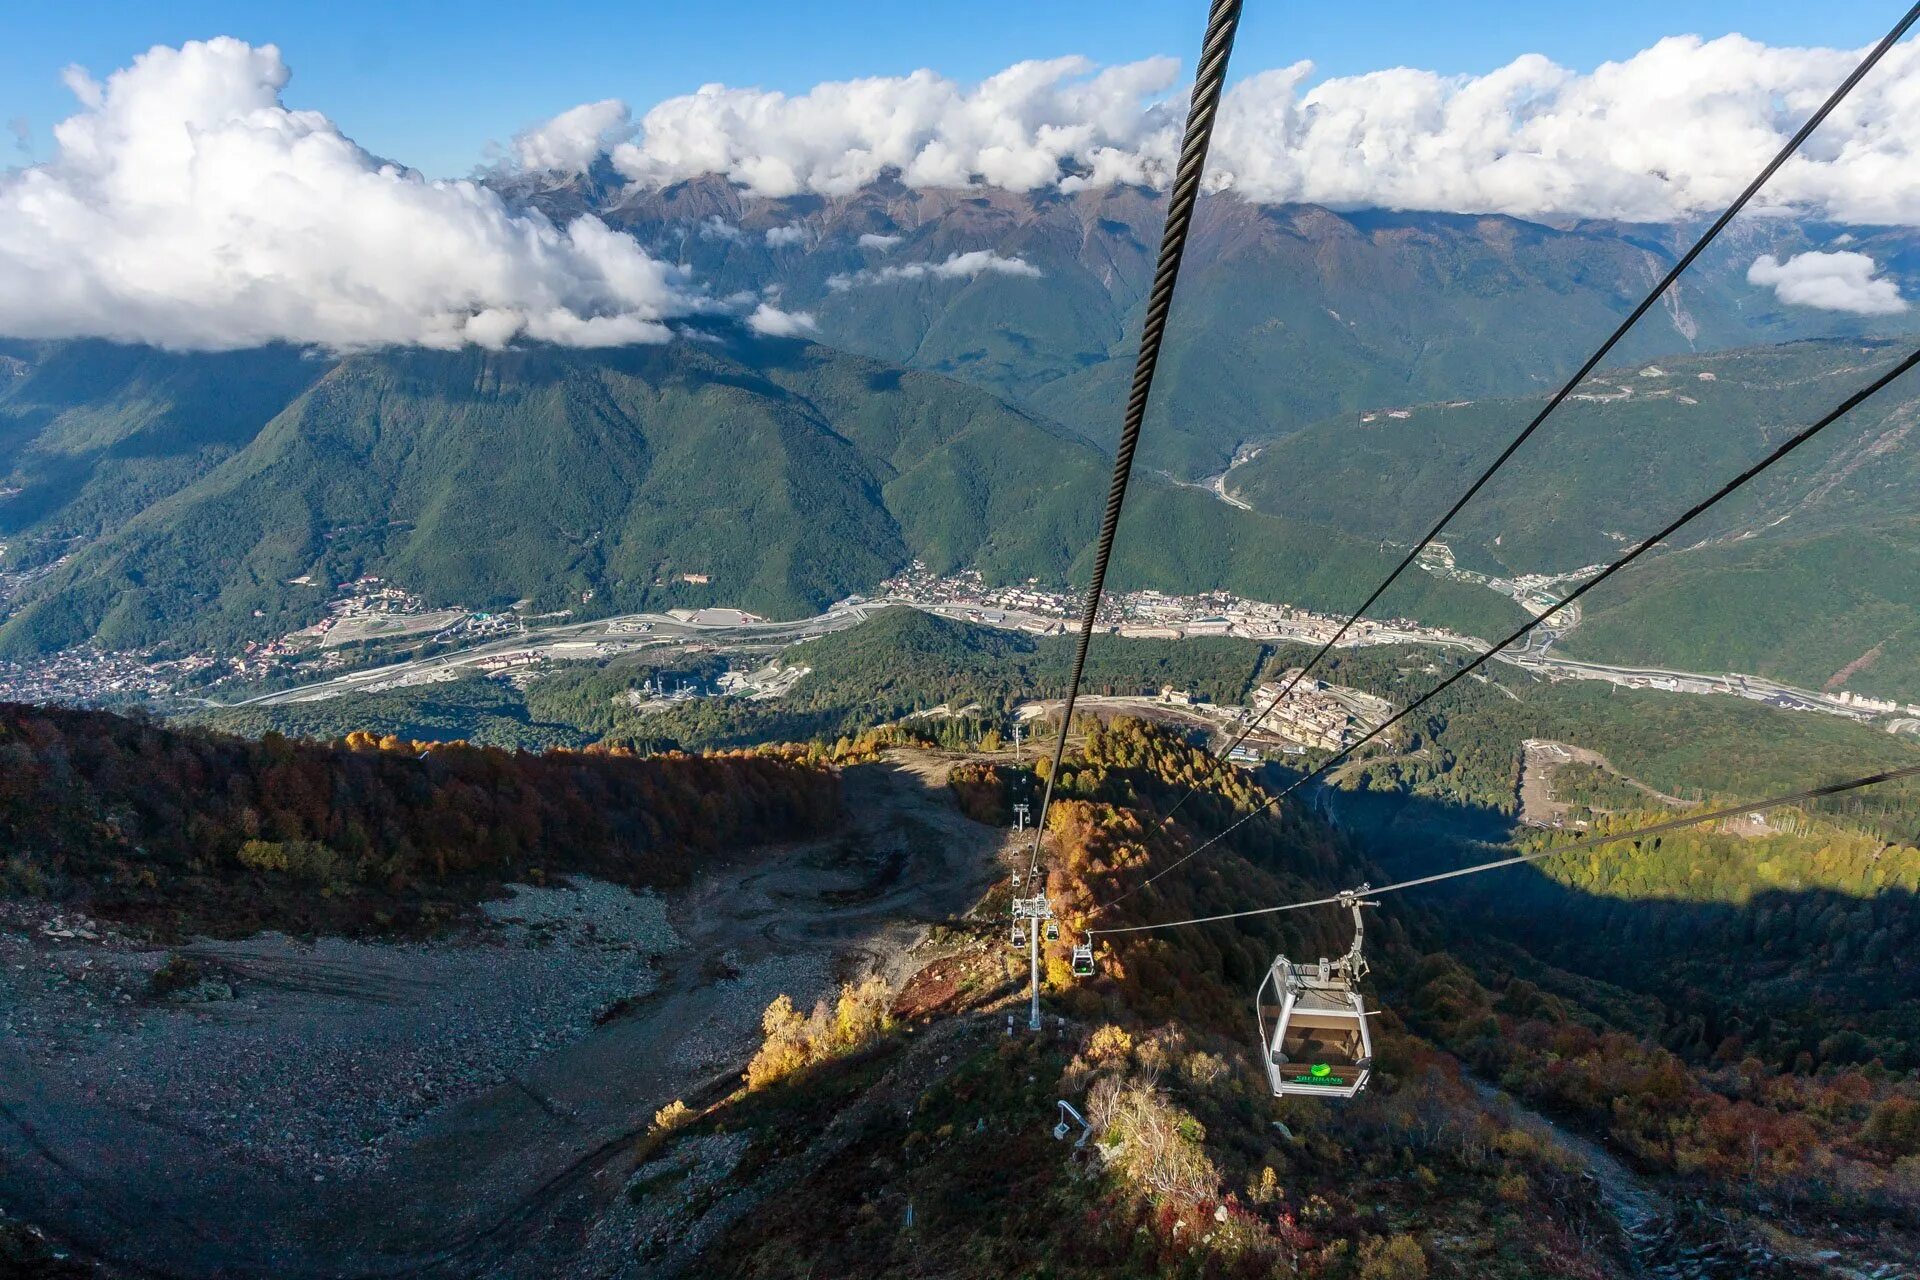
(367, 1109)
(1538, 762)
(315, 1058)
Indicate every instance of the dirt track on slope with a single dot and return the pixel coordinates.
(500, 1182)
(1538, 761)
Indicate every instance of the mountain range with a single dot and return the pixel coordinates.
(1285, 314)
(1347, 371)
(767, 473)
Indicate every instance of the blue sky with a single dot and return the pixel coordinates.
(431, 84)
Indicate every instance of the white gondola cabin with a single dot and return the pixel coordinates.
(1313, 1022)
(1083, 958)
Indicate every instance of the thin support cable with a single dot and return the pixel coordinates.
(1692, 513)
(1592, 362)
(1592, 842)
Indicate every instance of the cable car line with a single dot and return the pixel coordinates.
(1314, 1034)
(1600, 353)
(1315, 1038)
(1786, 447)
(1591, 842)
(1209, 80)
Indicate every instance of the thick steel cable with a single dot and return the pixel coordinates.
(1699, 508)
(1591, 842)
(1592, 362)
(1210, 78)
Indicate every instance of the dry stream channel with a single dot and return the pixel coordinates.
(335, 1108)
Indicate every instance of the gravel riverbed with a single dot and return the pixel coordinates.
(314, 1057)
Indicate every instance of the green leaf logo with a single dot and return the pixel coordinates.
(1322, 1070)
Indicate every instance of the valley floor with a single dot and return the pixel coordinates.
(331, 1109)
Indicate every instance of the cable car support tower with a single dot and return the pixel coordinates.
(1037, 914)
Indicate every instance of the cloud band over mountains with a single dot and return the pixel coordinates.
(188, 207)
(956, 266)
(185, 205)
(1674, 131)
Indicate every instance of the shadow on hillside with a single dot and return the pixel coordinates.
(1812, 976)
(472, 1183)
(1398, 825)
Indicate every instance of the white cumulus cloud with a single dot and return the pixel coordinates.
(790, 234)
(1829, 282)
(878, 243)
(958, 266)
(1012, 130)
(776, 323)
(188, 207)
(571, 141)
(1674, 131)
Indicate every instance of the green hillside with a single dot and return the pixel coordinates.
(1808, 575)
(1286, 313)
(1604, 472)
(91, 433)
(1830, 609)
(789, 475)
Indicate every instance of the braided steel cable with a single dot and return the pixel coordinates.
(1209, 80)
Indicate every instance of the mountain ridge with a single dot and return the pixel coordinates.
(1287, 313)
(765, 473)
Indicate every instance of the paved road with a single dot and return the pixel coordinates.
(1733, 684)
(633, 633)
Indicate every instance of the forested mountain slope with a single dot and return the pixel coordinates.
(1191, 1168)
(186, 831)
(1806, 575)
(92, 433)
(1636, 445)
(787, 475)
(1287, 312)
(1830, 609)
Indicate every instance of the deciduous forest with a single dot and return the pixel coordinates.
(189, 831)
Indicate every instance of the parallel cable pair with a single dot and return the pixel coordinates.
(1580, 375)
(1694, 512)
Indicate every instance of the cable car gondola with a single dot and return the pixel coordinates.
(1313, 1022)
(1083, 958)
